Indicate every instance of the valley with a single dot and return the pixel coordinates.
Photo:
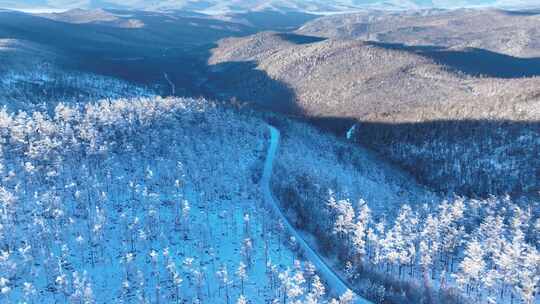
(270, 152)
(392, 93)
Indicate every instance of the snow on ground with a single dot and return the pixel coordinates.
(31, 79)
(337, 285)
(44, 86)
(396, 241)
(347, 169)
(148, 200)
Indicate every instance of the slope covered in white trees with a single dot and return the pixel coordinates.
(397, 242)
(336, 283)
(31, 79)
(160, 200)
(110, 194)
(142, 201)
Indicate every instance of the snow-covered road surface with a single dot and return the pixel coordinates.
(336, 285)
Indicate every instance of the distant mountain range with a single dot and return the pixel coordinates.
(227, 6)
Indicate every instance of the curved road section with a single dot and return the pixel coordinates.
(334, 282)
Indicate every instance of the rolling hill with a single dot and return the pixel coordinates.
(514, 33)
(138, 46)
(355, 79)
(389, 89)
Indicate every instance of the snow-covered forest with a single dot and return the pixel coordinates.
(142, 201)
(480, 157)
(44, 86)
(155, 200)
(344, 161)
(34, 77)
(408, 247)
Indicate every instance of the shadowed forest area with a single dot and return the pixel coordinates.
(474, 61)
(469, 157)
(176, 43)
(465, 157)
(455, 154)
(271, 94)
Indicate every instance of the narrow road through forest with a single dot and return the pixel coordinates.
(336, 285)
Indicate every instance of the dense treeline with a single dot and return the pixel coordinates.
(462, 156)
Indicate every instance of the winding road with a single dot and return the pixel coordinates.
(337, 285)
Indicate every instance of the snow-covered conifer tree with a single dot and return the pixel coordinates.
(241, 272)
(472, 268)
(317, 292)
(347, 298)
(242, 300)
(292, 286)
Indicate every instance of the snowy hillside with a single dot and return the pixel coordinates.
(45, 86)
(386, 156)
(147, 200)
(31, 79)
(151, 200)
(397, 242)
(160, 200)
